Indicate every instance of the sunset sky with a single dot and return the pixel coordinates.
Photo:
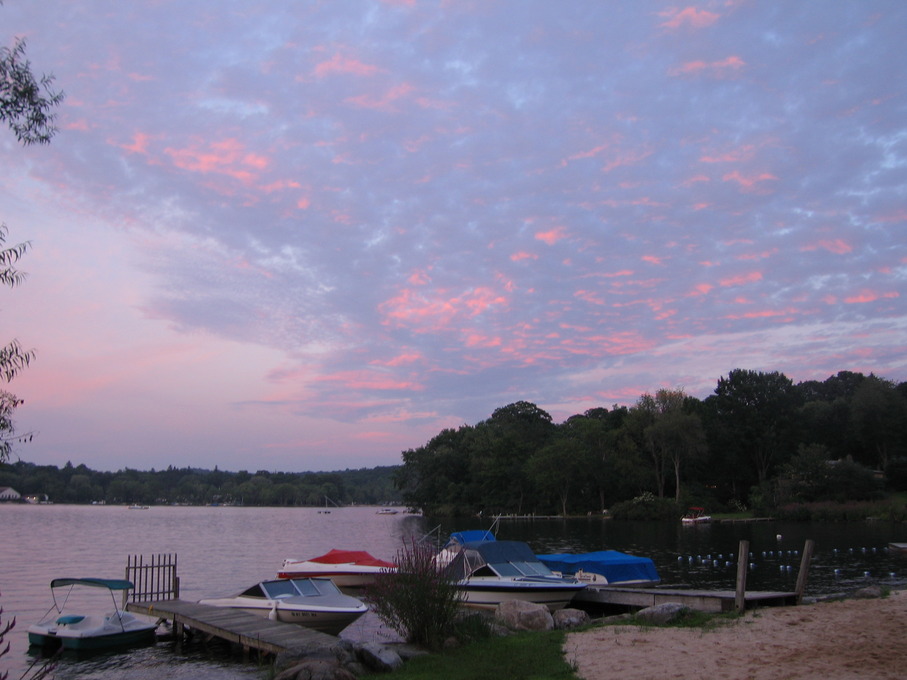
(310, 235)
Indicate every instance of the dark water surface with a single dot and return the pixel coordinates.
(224, 549)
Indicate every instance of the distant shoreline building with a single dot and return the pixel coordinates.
(8, 494)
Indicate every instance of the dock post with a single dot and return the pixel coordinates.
(743, 553)
(804, 568)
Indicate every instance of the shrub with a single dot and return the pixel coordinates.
(646, 506)
(417, 600)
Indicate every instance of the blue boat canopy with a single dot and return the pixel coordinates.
(470, 536)
(615, 566)
(109, 583)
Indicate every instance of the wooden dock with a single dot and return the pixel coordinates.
(249, 631)
(701, 600)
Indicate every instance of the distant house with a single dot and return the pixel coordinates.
(8, 493)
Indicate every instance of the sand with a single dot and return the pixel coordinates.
(856, 638)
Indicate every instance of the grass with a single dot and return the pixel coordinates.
(523, 656)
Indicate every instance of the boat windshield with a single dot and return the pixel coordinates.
(278, 590)
(520, 569)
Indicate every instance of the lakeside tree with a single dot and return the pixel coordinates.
(27, 107)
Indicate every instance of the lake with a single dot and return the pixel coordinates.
(225, 549)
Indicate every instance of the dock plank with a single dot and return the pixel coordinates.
(702, 600)
(239, 627)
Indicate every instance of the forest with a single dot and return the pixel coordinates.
(759, 443)
(193, 486)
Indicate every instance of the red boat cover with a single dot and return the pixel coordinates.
(354, 556)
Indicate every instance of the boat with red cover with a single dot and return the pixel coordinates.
(348, 569)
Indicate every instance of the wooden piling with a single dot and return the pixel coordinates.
(743, 552)
(804, 568)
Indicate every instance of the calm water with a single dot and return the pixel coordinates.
(222, 550)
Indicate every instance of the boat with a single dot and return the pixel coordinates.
(604, 567)
(314, 603)
(488, 573)
(387, 511)
(457, 540)
(348, 569)
(696, 515)
(77, 631)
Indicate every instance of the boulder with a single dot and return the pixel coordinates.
(316, 669)
(868, 593)
(570, 618)
(521, 615)
(378, 657)
(661, 614)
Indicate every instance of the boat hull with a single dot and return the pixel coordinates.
(488, 593)
(326, 621)
(54, 637)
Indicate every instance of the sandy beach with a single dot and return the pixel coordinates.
(856, 638)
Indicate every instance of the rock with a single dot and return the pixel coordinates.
(661, 614)
(570, 618)
(521, 615)
(316, 669)
(378, 657)
(869, 592)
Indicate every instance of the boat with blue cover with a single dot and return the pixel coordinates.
(489, 572)
(78, 631)
(604, 567)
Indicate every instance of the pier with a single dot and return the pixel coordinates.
(156, 595)
(248, 631)
(700, 600)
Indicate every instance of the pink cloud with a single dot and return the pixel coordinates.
(748, 183)
(338, 64)
(628, 158)
(410, 307)
(716, 68)
(139, 143)
(689, 16)
(742, 154)
(516, 257)
(764, 314)
(869, 296)
(652, 259)
(551, 236)
(366, 380)
(702, 289)
(758, 256)
(838, 246)
(741, 279)
(481, 340)
(400, 360)
(589, 296)
(386, 101)
(227, 157)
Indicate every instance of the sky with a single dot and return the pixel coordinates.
(311, 235)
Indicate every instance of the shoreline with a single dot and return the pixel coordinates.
(831, 638)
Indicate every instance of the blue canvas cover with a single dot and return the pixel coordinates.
(615, 566)
(470, 536)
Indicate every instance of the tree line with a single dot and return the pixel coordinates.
(193, 486)
(759, 441)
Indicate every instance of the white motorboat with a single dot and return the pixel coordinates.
(696, 515)
(77, 631)
(349, 569)
(311, 602)
(490, 572)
